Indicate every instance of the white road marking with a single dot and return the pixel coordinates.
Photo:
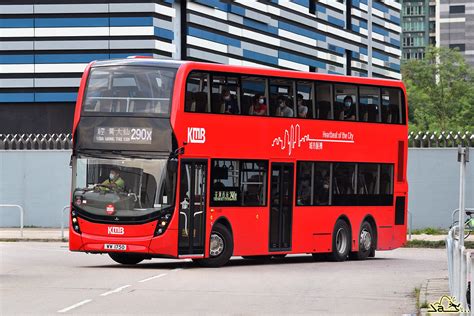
(176, 270)
(115, 291)
(74, 306)
(153, 277)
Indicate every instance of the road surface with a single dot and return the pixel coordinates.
(45, 278)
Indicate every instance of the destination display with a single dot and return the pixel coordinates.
(121, 135)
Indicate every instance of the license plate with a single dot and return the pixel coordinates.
(115, 247)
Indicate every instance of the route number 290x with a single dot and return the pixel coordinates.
(141, 134)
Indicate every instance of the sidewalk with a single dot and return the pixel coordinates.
(431, 292)
(33, 234)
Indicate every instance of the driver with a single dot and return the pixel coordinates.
(114, 181)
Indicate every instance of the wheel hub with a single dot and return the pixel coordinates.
(365, 240)
(217, 245)
(341, 241)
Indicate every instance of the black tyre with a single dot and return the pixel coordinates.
(126, 258)
(341, 241)
(221, 247)
(366, 242)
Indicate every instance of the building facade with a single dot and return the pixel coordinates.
(418, 27)
(456, 26)
(45, 44)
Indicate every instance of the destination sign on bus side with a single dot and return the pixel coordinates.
(121, 135)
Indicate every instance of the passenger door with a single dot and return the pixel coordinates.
(281, 206)
(192, 208)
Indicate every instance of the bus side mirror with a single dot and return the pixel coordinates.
(172, 165)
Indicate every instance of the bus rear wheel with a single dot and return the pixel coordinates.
(221, 247)
(126, 258)
(341, 241)
(366, 242)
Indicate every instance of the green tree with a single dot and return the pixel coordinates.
(440, 91)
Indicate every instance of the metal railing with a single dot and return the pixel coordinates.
(460, 271)
(35, 141)
(66, 207)
(460, 260)
(440, 139)
(22, 214)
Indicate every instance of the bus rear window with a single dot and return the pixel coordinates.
(129, 89)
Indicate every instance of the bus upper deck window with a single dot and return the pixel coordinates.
(369, 104)
(304, 100)
(129, 89)
(254, 96)
(324, 101)
(345, 102)
(282, 99)
(197, 93)
(391, 106)
(225, 96)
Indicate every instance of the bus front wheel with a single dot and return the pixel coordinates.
(126, 258)
(341, 241)
(221, 247)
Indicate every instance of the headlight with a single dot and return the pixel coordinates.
(162, 224)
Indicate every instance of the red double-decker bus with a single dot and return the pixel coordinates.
(204, 161)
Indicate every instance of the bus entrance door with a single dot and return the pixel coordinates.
(192, 209)
(281, 206)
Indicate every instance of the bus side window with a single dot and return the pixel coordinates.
(281, 98)
(386, 179)
(254, 96)
(345, 102)
(225, 95)
(324, 101)
(304, 100)
(369, 104)
(197, 93)
(225, 183)
(253, 177)
(367, 179)
(312, 183)
(343, 184)
(391, 106)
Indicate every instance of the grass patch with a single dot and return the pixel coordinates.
(416, 294)
(430, 231)
(415, 243)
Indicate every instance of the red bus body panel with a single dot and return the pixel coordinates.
(247, 137)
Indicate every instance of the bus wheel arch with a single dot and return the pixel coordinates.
(221, 244)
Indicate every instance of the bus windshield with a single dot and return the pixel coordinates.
(129, 89)
(123, 187)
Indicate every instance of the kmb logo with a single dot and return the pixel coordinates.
(115, 230)
(196, 135)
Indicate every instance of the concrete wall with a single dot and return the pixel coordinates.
(40, 182)
(433, 178)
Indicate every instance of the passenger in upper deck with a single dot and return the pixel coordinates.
(349, 109)
(302, 109)
(258, 106)
(283, 108)
(229, 102)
